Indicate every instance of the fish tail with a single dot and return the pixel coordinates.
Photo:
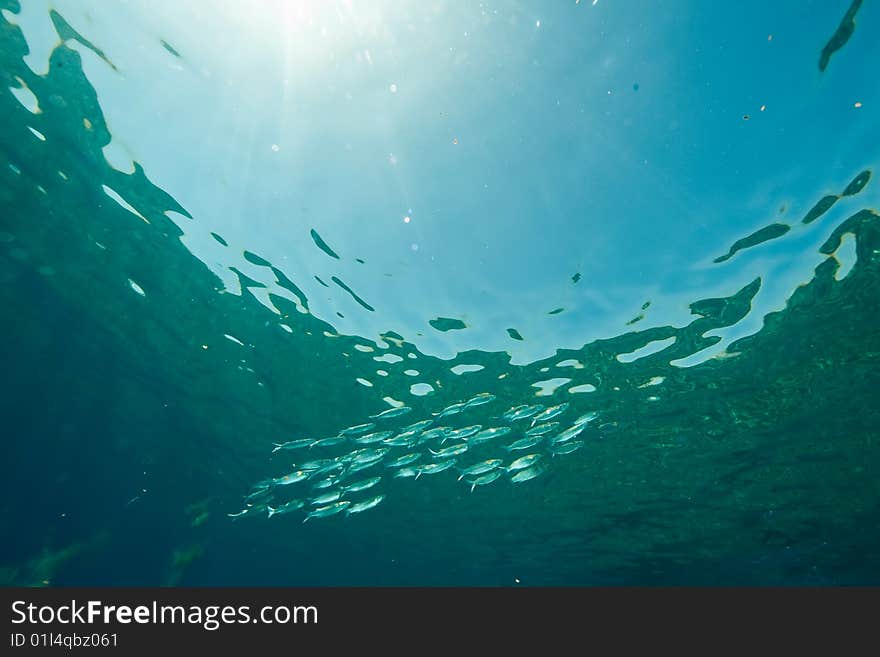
(473, 486)
(272, 511)
(418, 474)
(461, 476)
(277, 447)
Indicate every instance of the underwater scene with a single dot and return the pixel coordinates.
(440, 293)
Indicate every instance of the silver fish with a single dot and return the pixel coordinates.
(326, 498)
(329, 510)
(357, 429)
(292, 478)
(329, 442)
(487, 478)
(550, 413)
(401, 440)
(325, 483)
(292, 444)
(568, 434)
(361, 485)
(391, 412)
(512, 411)
(480, 468)
(453, 450)
(353, 454)
(287, 507)
(522, 412)
(363, 465)
(431, 434)
(523, 443)
(479, 400)
(365, 505)
(327, 469)
(542, 429)
(406, 459)
(566, 448)
(453, 409)
(257, 493)
(370, 455)
(463, 433)
(314, 465)
(371, 438)
(524, 462)
(421, 425)
(528, 473)
(488, 434)
(434, 468)
(586, 418)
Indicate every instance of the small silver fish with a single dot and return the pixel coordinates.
(586, 418)
(314, 465)
(325, 483)
(488, 434)
(513, 410)
(370, 455)
(522, 412)
(292, 478)
(434, 468)
(406, 459)
(528, 473)
(401, 440)
(287, 507)
(453, 409)
(327, 469)
(523, 443)
(326, 498)
(329, 442)
(391, 412)
(371, 438)
(550, 413)
(453, 450)
(421, 425)
(431, 434)
(487, 478)
(479, 400)
(523, 462)
(361, 485)
(542, 429)
(329, 510)
(566, 448)
(365, 505)
(568, 434)
(357, 429)
(480, 468)
(463, 433)
(363, 465)
(257, 493)
(292, 444)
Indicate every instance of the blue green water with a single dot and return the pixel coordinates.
(224, 228)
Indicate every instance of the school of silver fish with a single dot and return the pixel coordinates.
(326, 486)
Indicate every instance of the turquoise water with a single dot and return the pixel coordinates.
(222, 230)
